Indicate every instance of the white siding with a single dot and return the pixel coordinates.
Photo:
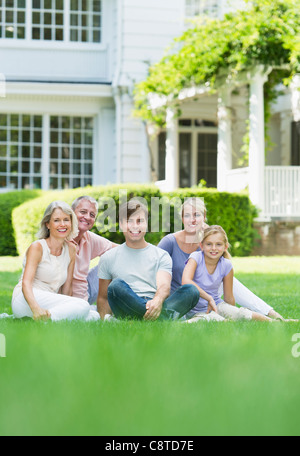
(105, 152)
(54, 63)
(34, 60)
(148, 28)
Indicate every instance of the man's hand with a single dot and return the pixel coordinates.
(154, 308)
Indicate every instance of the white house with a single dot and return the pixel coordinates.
(67, 72)
(68, 68)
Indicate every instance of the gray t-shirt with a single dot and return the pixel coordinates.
(137, 267)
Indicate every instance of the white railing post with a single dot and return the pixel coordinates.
(295, 90)
(224, 139)
(172, 161)
(282, 192)
(257, 139)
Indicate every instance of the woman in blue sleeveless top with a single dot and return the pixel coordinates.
(181, 244)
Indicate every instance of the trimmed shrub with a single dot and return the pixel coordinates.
(232, 211)
(8, 201)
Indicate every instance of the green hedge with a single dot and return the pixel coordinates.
(27, 217)
(233, 211)
(8, 201)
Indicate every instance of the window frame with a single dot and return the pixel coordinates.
(5, 24)
(19, 145)
(197, 7)
(66, 42)
(20, 138)
(62, 145)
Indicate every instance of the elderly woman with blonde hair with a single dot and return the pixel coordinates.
(45, 289)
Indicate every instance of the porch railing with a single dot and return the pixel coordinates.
(282, 189)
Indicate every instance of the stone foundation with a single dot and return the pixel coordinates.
(277, 238)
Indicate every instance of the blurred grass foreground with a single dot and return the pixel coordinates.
(159, 378)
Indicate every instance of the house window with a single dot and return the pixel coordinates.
(85, 21)
(71, 152)
(12, 19)
(197, 7)
(20, 151)
(52, 20)
(26, 162)
(48, 20)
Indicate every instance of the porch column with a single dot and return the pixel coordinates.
(257, 140)
(295, 90)
(172, 162)
(224, 162)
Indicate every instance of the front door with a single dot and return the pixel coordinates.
(295, 143)
(185, 160)
(207, 151)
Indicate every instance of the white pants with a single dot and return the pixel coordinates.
(225, 312)
(61, 307)
(245, 298)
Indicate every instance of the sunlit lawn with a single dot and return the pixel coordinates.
(155, 379)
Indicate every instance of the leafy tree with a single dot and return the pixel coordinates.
(213, 51)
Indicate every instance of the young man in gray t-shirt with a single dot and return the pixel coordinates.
(135, 278)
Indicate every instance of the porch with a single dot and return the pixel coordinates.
(274, 190)
(281, 190)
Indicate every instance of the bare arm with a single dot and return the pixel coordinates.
(188, 279)
(66, 289)
(33, 258)
(154, 307)
(103, 306)
(228, 288)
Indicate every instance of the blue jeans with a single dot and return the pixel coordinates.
(93, 284)
(125, 303)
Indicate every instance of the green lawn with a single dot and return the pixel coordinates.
(155, 379)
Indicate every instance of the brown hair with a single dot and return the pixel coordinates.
(217, 229)
(130, 208)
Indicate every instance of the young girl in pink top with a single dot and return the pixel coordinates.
(207, 269)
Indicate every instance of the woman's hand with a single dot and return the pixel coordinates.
(41, 314)
(212, 306)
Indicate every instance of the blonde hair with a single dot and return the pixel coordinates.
(195, 202)
(216, 229)
(44, 231)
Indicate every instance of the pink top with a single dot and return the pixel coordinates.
(91, 246)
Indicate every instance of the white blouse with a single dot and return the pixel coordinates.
(51, 272)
